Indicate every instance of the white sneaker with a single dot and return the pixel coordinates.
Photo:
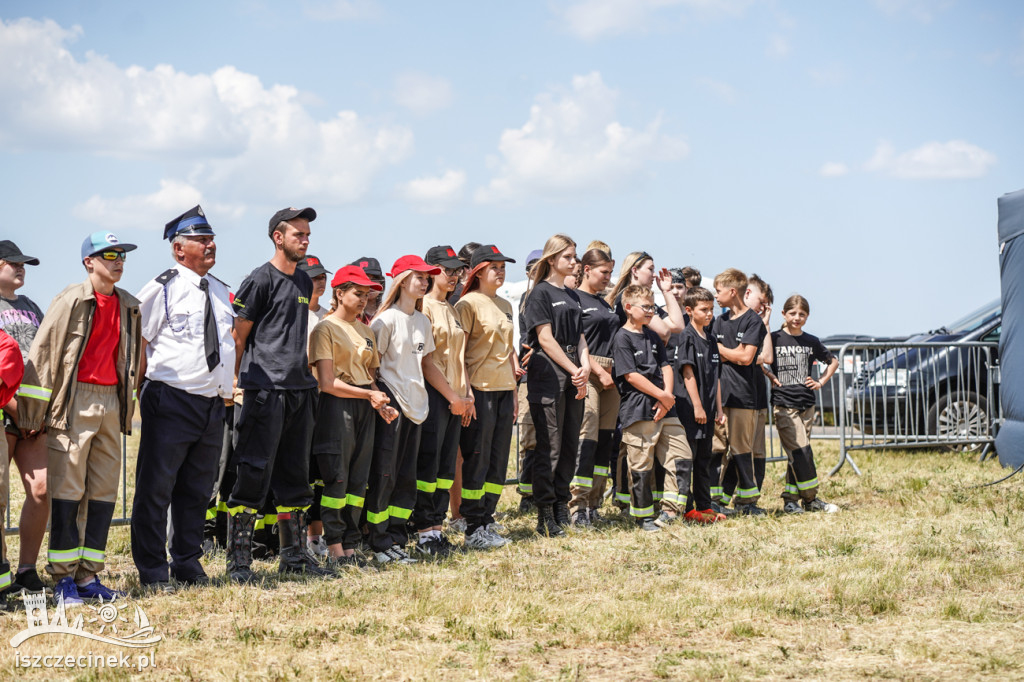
(498, 540)
(481, 539)
(457, 525)
(496, 528)
(317, 548)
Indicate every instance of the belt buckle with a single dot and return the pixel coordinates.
(570, 349)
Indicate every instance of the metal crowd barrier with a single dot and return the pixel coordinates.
(913, 395)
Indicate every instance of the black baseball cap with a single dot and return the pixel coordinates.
(488, 253)
(10, 252)
(312, 266)
(444, 256)
(371, 266)
(289, 213)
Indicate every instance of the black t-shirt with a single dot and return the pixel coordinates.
(738, 381)
(793, 358)
(702, 356)
(275, 351)
(643, 353)
(547, 304)
(600, 324)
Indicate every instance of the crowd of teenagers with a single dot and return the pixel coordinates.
(342, 433)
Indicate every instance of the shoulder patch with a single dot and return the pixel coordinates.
(166, 276)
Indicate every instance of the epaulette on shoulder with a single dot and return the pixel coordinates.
(166, 276)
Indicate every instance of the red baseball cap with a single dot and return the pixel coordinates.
(354, 274)
(412, 262)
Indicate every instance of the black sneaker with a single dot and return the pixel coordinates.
(792, 507)
(581, 520)
(665, 520)
(820, 505)
(719, 508)
(750, 510)
(28, 581)
(526, 505)
(400, 556)
(432, 548)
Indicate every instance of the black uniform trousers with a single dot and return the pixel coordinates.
(485, 450)
(179, 452)
(435, 465)
(557, 419)
(273, 432)
(391, 493)
(343, 449)
(700, 491)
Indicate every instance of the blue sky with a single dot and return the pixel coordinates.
(852, 152)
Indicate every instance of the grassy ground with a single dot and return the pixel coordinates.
(919, 577)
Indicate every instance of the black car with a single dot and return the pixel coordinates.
(932, 394)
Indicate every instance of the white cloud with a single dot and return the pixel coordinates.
(340, 10)
(433, 193)
(721, 89)
(833, 169)
(955, 159)
(422, 93)
(151, 211)
(592, 19)
(239, 138)
(573, 144)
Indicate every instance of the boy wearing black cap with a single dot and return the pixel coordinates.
(314, 267)
(188, 362)
(371, 266)
(20, 317)
(79, 380)
(274, 428)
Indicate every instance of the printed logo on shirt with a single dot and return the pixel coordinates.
(590, 310)
(639, 353)
(369, 342)
(419, 347)
(508, 316)
(238, 303)
(303, 300)
(739, 336)
(557, 303)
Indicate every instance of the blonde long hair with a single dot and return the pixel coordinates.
(632, 260)
(391, 297)
(555, 245)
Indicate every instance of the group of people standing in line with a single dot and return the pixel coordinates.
(353, 428)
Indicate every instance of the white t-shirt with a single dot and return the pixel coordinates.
(402, 341)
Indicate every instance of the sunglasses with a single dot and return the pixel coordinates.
(112, 255)
(451, 272)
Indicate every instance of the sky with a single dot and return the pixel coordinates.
(851, 152)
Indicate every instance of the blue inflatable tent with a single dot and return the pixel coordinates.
(1010, 439)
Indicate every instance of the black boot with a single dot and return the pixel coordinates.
(561, 514)
(295, 559)
(546, 524)
(239, 547)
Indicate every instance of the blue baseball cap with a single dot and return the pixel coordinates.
(101, 241)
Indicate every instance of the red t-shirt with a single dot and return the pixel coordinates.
(99, 359)
(11, 368)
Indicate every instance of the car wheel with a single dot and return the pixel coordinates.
(960, 416)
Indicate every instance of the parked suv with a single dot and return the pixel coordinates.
(935, 393)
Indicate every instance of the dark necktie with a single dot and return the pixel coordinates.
(211, 343)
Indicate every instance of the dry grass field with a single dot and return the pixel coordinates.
(919, 577)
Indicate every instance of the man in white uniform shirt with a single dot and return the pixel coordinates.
(188, 363)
